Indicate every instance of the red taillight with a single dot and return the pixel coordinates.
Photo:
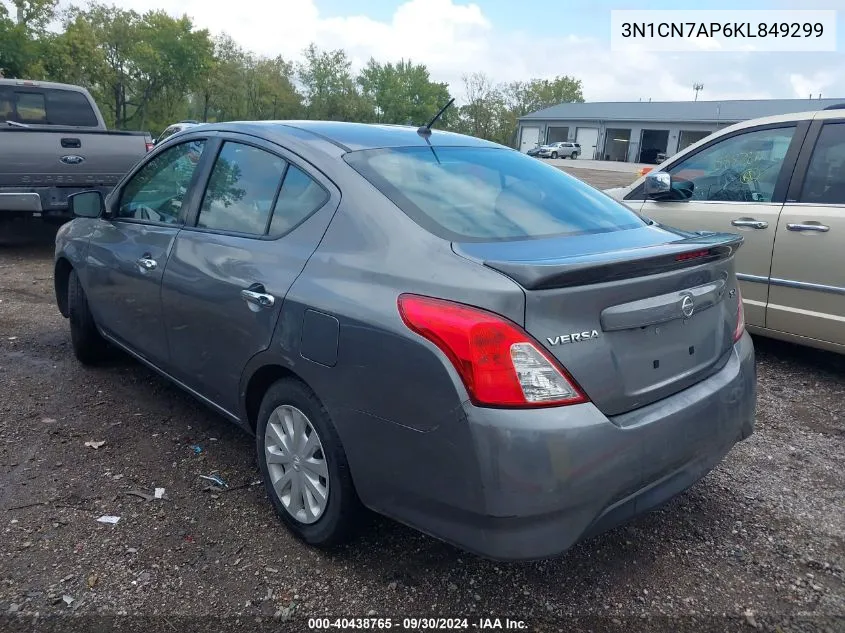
(499, 363)
(740, 316)
(691, 255)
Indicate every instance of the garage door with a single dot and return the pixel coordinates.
(529, 138)
(587, 138)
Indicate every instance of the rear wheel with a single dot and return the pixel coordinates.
(304, 466)
(574, 155)
(554, 154)
(88, 346)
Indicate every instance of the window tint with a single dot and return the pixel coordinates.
(6, 105)
(31, 107)
(825, 180)
(241, 190)
(529, 199)
(742, 168)
(299, 197)
(47, 107)
(155, 193)
(66, 107)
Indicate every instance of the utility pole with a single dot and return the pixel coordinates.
(697, 87)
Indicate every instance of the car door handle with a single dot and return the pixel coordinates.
(821, 228)
(147, 263)
(750, 223)
(255, 295)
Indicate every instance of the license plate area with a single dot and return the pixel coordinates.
(653, 357)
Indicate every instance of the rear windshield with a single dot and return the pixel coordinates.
(482, 194)
(46, 106)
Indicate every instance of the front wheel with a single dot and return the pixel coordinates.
(304, 466)
(554, 154)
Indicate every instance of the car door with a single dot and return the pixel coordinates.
(128, 250)
(262, 214)
(807, 296)
(740, 185)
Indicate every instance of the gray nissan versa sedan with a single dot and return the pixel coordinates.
(425, 324)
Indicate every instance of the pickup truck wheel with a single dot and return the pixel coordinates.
(88, 346)
(304, 466)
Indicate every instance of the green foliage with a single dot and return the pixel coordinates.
(149, 70)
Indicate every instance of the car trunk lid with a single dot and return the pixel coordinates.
(633, 315)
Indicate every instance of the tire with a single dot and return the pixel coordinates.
(340, 513)
(554, 154)
(88, 346)
(574, 155)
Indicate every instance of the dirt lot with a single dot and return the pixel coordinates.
(759, 542)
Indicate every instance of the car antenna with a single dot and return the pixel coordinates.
(425, 130)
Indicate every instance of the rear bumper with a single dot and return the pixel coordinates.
(533, 483)
(20, 202)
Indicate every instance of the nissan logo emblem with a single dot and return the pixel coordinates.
(687, 306)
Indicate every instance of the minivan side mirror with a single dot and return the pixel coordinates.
(660, 185)
(87, 204)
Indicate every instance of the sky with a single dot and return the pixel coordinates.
(511, 40)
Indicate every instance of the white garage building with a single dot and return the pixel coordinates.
(637, 131)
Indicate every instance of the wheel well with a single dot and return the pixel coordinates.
(61, 275)
(258, 385)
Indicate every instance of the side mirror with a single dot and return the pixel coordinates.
(660, 185)
(87, 204)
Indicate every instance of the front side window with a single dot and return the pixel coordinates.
(480, 194)
(741, 168)
(155, 193)
(825, 180)
(242, 190)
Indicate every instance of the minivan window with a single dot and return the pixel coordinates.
(741, 168)
(438, 189)
(825, 180)
(241, 190)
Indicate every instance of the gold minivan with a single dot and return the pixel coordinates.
(780, 183)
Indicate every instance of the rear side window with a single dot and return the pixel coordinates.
(482, 194)
(299, 197)
(242, 190)
(825, 180)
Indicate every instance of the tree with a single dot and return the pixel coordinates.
(401, 93)
(329, 90)
(524, 97)
(23, 37)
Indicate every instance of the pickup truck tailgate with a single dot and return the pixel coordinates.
(33, 158)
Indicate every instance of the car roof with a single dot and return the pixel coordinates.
(351, 137)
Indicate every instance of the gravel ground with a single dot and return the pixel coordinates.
(760, 542)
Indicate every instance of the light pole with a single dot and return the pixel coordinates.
(697, 87)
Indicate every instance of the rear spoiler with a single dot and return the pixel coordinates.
(622, 264)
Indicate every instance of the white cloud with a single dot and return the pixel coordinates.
(453, 39)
